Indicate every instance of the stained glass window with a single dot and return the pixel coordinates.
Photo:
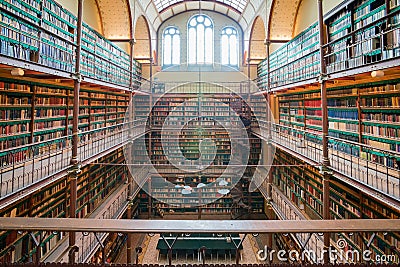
(200, 40)
(229, 46)
(171, 46)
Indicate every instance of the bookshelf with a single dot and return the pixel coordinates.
(362, 117)
(363, 113)
(188, 107)
(33, 112)
(302, 185)
(95, 183)
(359, 33)
(43, 32)
(37, 113)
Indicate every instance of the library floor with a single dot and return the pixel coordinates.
(150, 253)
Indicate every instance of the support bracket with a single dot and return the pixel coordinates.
(323, 77)
(77, 77)
(75, 169)
(323, 169)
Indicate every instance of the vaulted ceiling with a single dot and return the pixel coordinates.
(119, 16)
(282, 19)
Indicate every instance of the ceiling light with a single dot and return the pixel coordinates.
(377, 74)
(17, 72)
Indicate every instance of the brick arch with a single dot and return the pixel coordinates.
(282, 19)
(142, 37)
(257, 37)
(116, 18)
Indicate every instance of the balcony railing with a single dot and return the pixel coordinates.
(25, 165)
(36, 44)
(374, 43)
(371, 228)
(345, 157)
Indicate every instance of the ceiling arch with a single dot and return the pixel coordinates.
(116, 18)
(238, 5)
(158, 11)
(143, 41)
(257, 38)
(282, 19)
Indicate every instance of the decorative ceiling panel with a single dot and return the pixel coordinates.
(157, 23)
(283, 18)
(179, 8)
(221, 9)
(192, 4)
(166, 14)
(207, 5)
(115, 18)
(239, 5)
(151, 14)
(234, 15)
(257, 47)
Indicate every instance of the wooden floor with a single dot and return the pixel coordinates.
(150, 254)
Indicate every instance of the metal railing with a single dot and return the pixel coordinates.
(53, 51)
(88, 242)
(355, 160)
(373, 229)
(287, 211)
(25, 165)
(373, 43)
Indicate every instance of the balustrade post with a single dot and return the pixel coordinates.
(75, 166)
(325, 164)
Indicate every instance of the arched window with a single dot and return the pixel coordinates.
(229, 47)
(171, 46)
(200, 40)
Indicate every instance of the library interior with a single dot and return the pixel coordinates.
(199, 132)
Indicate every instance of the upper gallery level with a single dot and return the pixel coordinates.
(361, 35)
(41, 35)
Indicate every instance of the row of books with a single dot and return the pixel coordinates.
(338, 27)
(382, 131)
(14, 100)
(343, 114)
(390, 88)
(344, 102)
(62, 25)
(14, 129)
(382, 101)
(381, 117)
(50, 124)
(368, 14)
(28, 9)
(59, 11)
(15, 114)
(343, 126)
(55, 51)
(394, 4)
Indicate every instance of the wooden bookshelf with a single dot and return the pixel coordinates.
(173, 109)
(363, 113)
(95, 183)
(362, 32)
(302, 185)
(33, 112)
(43, 32)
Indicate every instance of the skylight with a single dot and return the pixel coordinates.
(163, 4)
(239, 5)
